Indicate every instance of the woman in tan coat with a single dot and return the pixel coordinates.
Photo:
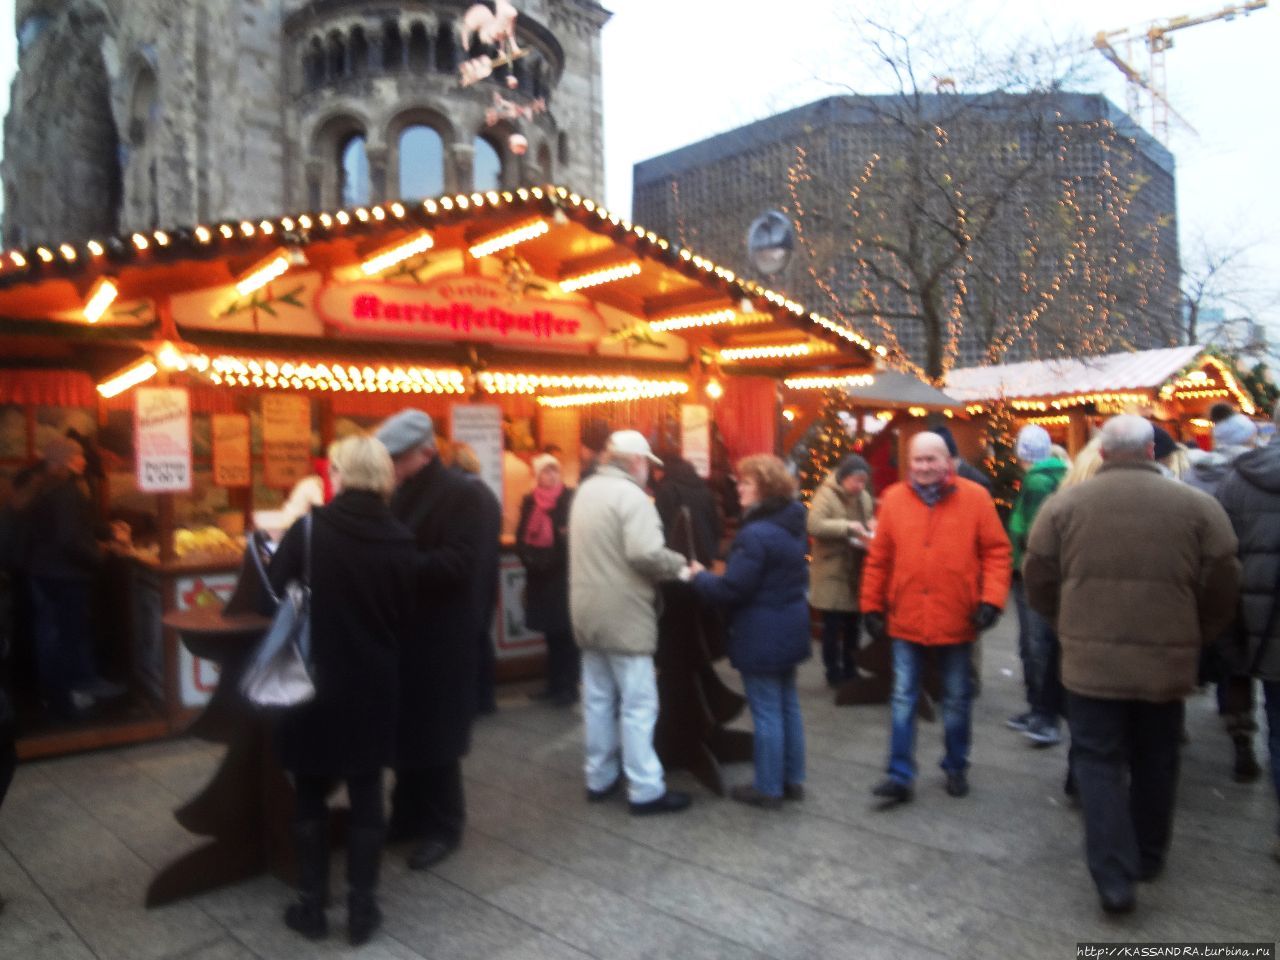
(841, 520)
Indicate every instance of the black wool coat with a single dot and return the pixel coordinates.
(361, 592)
(440, 660)
(546, 591)
(681, 487)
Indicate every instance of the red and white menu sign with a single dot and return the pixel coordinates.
(162, 431)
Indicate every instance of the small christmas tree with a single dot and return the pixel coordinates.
(826, 443)
(1001, 461)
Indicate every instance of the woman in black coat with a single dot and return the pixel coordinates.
(542, 544)
(361, 566)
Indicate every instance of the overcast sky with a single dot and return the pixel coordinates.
(677, 71)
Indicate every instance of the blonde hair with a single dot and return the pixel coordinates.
(1086, 463)
(465, 459)
(770, 474)
(362, 463)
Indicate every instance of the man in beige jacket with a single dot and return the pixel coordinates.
(617, 554)
(1137, 572)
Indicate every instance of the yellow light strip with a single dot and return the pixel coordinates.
(829, 383)
(771, 352)
(1060, 420)
(510, 238)
(1200, 394)
(1079, 400)
(596, 277)
(388, 257)
(686, 321)
(530, 383)
(103, 294)
(268, 373)
(131, 376)
(647, 391)
(269, 268)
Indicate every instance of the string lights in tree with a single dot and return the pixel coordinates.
(828, 442)
(1001, 462)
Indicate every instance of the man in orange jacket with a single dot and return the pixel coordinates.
(937, 573)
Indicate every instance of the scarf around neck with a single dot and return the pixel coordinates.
(538, 530)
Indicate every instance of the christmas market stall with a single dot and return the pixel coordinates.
(1175, 386)
(204, 369)
(873, 413)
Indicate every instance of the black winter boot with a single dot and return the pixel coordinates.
(364, 854)
(311, 851)
(1246, 768)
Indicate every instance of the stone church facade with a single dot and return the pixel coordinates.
(135, 114)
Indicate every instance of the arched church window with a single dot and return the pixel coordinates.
(487, 166)
(419, 47)
(353, 172)
(359, 52)
(392, 46)
(421, 157)
(446, 50)
(337, 56)
(144, 107)
(313, 64)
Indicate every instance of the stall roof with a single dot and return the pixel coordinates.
(1138, 371)
(892, 388)
(765, 329)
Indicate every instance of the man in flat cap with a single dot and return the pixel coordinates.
(437, 673)
(617, 554)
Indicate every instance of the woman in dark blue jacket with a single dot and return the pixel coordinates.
(763, 588)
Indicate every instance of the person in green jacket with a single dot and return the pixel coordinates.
(1037, 643)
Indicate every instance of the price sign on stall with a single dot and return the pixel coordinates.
(286, 439)
(231, 466)
(162, 428)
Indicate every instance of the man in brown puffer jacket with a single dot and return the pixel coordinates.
(1137, 573)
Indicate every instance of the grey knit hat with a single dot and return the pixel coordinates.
(405, 431)
(852, 464)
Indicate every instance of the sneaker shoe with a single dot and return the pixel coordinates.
(746, 793)
(673, 801)
(1042, 732)
(1117, 900)
(893, 791)
(1018, 721)
(957, 785)
(1246, 769)
(599, 796)
(793, 791)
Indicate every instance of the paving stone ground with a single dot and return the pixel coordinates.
(543, 875)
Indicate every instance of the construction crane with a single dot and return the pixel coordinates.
(1155, 36)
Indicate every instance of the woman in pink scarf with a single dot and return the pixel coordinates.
(542, 543)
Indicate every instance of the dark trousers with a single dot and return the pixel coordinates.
(1125, 759)
(364, 793)
(839, 643)
(563, 664)
(486, 675)
(428, 804)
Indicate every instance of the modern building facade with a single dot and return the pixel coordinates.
(1079, 256)
(135, 114)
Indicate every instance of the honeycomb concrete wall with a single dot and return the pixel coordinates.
(133, 114)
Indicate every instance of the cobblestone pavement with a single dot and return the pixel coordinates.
(541, 874)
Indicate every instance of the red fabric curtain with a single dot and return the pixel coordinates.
(47, 388)
(747, 415)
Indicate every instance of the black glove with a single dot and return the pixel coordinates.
(874, 622)
(985, 617)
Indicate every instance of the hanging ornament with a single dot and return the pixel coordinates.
(518, 144)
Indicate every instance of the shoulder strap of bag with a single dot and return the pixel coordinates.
(306, 551)
(255, 555)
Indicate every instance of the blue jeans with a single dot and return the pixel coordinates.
(779, 730)
(1039, 651)
(957, 702)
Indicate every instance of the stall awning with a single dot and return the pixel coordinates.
(536, 272)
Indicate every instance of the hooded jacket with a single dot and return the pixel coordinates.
(1041, 479)
(930, 567)
(763, 587)
(1208, 471)
(836, 568)
(1251, 496)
